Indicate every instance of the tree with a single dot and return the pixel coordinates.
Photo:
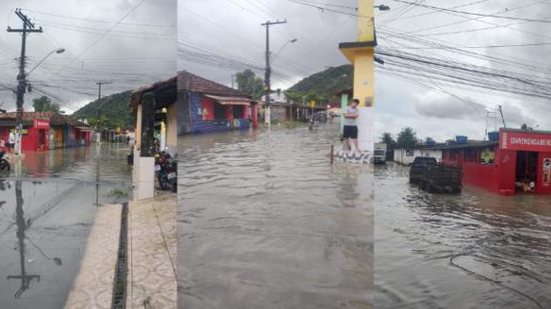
(429, 141)
(44, 104)
(388, 139)
(390, 145)
(407, 139)
(525, 127)
(250, 84)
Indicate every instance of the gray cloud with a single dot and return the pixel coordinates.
(443, 106)
(139, 50)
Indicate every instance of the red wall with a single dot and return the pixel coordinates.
(506, 161)
(498, 177)
(31, 140)
(207, 104)
(484, 176)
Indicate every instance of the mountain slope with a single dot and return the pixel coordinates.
(323, 85)
(114, 113)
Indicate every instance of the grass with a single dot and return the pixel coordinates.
(117, 193)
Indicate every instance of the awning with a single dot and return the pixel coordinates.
(230, 100)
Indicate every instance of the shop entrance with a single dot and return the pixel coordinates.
(41, 139)
(526, 171)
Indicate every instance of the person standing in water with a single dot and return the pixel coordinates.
(350, 131)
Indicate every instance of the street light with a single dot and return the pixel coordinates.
(282, 47)
(21, 91)
(57, 51)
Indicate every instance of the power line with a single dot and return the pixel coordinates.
(475, 14)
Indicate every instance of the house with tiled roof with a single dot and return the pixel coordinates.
(46, 130)
(207, 106)
(156, 112)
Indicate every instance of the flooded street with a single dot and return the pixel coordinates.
(474, 250)
(266, 222)
(45, 219)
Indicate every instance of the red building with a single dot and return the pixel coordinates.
(46, 130)
(516, 161)
(207, 106)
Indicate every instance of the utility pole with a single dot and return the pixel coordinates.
(28, 27)
(267, 114)
(502, 118)
(98, 112)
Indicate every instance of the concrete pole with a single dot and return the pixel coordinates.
(361, 55)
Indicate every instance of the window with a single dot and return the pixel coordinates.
(487, 156)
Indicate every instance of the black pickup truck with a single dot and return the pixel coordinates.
(434, 177)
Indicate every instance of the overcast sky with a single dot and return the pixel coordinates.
(231, 29)
(139, 50)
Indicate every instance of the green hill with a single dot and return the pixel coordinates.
(114, 113)
(323, 85)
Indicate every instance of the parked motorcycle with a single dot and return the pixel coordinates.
(166, 169)
(4, 163)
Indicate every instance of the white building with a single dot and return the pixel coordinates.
(406, 156)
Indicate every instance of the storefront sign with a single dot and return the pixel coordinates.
(41, 124)
(23, 131)
(525, 141)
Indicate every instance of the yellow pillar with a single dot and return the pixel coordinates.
(361, 55)
(365, 25)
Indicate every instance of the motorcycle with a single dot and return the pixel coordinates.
(166, 169)
(4, 163)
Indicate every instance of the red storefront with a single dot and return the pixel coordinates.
(45, 130)
(35, 133)
(519, 162)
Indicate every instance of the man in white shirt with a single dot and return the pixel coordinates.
(11, 141)
(350, 132)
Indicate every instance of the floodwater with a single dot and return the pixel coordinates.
(46, 216)
(266, 222)
(473, 250)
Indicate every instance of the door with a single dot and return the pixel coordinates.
(526, 171)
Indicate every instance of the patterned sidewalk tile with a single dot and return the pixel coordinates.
(152, 253)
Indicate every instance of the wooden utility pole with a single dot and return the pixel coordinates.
(267, 85)
(28, 27)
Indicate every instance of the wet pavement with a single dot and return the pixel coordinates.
(473, 250)
(46, 217)
(266, 222)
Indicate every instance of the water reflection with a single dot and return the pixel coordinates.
(50, 209)
(266, 222)
(22, 226)
(476, 249)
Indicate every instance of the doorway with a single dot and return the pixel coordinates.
(41, 139)
(526, 171)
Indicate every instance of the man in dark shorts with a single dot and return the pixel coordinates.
(350, 132)
(11, 141)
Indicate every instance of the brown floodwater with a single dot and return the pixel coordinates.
(266, 222)
(473, 250)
